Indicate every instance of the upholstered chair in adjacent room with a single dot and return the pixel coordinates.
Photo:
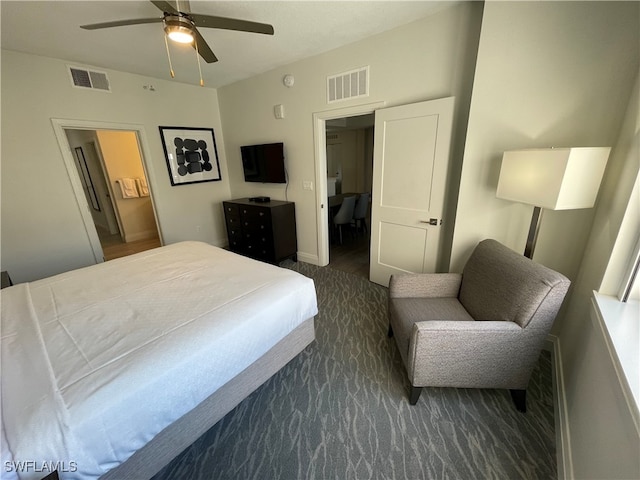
(345, 214)
(483, 328)
(360, 212)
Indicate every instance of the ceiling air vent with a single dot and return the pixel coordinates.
(83, 78)
(348, 85)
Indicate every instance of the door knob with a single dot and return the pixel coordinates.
(432, 221)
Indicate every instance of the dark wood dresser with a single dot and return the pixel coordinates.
(264, 231)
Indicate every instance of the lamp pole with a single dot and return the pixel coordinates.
(532, 237)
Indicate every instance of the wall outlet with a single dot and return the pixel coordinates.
(197, 228)
(307, 185)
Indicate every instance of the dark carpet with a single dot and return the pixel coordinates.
(340, 410)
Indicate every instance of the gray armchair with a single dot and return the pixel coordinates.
(483, 328)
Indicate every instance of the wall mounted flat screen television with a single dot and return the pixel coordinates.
(263, 163)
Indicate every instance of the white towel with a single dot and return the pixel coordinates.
(143, 188)
(128, 187)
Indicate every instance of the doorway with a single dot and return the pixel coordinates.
(118, 198)
(411, 155)
(320, 120)
(349, 153)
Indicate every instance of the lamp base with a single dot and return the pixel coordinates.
(532, 238)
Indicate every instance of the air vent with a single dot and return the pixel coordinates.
(83, 78)
(348, 85)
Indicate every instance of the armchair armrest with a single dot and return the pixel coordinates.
(425, 285)
(478, 354)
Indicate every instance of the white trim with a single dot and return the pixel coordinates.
(631, 280)
(560, 410)
(307, 258)
(320, 154)
(146, 235)
(617, 322)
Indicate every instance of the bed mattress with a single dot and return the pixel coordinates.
(97, 361)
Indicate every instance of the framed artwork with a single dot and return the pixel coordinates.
(191, 154)
(87, 181)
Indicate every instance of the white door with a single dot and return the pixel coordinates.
(410, 161)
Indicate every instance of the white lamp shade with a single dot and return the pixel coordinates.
(554, 178)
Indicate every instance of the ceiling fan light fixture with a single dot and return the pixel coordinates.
(179, 34)
(179, 29)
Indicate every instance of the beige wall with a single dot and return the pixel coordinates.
(122, 159)
(42, 230)
(353, 159)
(560, 74)
(428, 59)
(604, 437)
(548, 74)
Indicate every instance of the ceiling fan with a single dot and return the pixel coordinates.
(180, 26)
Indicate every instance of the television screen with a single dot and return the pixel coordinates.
(263, 163)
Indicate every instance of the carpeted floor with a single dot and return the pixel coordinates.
(340, 411)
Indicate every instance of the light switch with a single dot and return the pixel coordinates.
(278, 111)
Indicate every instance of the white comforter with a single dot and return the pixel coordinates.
(97, 361)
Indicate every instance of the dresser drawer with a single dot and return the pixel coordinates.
(259, 252)
(234, 232)
(253, 227)
(258, 239)
(233, 222)
(255, 214)
(231, 209)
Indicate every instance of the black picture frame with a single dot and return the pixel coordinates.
(191, 154)
(87, 181)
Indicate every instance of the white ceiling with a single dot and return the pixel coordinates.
(302, 29)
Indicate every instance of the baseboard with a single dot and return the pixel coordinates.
(563, 439)
(222, 242)
(146, 235)
(308, 258)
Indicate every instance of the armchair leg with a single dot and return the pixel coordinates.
(519, 399)
(414, 394)
(390, 332)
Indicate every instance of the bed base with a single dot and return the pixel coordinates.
(171, 441)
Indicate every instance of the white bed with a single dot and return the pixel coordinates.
(113, 359)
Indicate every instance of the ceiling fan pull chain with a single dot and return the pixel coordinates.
(166, 44)
(198, 58)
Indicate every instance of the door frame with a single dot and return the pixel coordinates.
(59, 127)
(320, 154)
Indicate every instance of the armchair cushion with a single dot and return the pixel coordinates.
(405, 312)
(500, 284)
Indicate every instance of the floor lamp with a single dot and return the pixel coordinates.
(554, 178)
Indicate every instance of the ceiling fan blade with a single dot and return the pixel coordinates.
(120, 23)
(165, 6)
(203, 49)
(224, 23)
